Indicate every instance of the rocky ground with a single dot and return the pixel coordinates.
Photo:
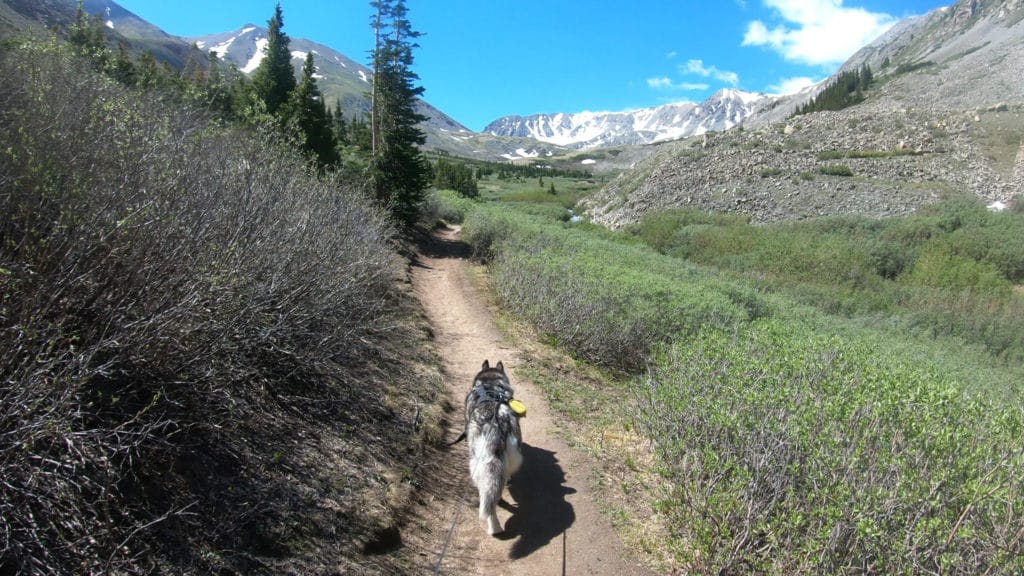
(872, 162)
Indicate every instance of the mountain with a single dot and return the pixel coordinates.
(945, 116)
(338, 76)
(585, 130)
(122, 26)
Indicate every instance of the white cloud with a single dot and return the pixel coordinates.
(791, 85)
(665, 83)
(817, 32)
(697, 67)
(659, 83)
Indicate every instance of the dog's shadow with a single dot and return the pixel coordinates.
(541, 512)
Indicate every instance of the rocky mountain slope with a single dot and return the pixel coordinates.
(585, 130)
(122, 25)
(946, 116)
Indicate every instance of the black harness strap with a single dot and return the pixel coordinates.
(487, 393)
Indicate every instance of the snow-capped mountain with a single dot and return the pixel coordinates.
(583, 130)
(338, 76)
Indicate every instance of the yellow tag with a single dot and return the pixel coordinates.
(518, 407)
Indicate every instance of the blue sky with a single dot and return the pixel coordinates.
(483, 59)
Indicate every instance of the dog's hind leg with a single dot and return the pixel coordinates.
(513, 457)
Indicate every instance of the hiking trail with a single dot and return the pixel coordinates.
(552, 522)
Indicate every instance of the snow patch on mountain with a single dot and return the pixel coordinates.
(221, 49)
(254, 62)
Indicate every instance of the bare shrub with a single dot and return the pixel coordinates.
(175, 298)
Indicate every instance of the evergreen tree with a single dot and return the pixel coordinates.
(148, 71)
(399, 172)
(86, 33)
(308, 114)
(455, 176)
(338, 124)
(122, 68)
(846, 90)
(274, 79)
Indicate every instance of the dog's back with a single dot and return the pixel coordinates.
(492, 429)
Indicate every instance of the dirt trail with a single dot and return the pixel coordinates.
(552, 523)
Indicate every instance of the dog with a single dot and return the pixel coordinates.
(494, 437)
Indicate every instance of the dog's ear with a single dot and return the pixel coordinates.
(486, 365)
(500, 367)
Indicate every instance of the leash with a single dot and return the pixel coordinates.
(457, 440)
(564, 532)
(448, 539)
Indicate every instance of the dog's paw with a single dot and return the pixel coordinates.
(493, 526)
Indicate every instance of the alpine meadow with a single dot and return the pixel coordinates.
(773, 334)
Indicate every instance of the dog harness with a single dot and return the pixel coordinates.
(495, 393)
(492, 393)
(502, 395)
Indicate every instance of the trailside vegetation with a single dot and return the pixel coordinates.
(384, 146)
(198, 331)
(800, 425)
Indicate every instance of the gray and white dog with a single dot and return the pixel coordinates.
(494, 436)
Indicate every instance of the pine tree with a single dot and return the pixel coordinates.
(274, 79)
(399, 172)
(846, 90)
(306, 111)
(122, 68)
(338, 124)
(148, 71)
(87, 36)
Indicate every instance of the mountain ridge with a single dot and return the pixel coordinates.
(339, 77)
(585, 130)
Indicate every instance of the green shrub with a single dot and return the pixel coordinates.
(446, 205)
(607, 302)
(789, 452)
(673, 229)
(939, 266)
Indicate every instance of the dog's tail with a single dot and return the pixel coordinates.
(491, 483)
